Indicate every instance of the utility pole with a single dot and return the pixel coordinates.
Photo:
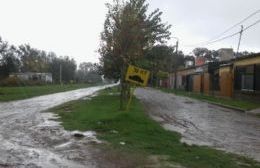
(175, 68)
(177, 46)
(240, 36)
(60, 74)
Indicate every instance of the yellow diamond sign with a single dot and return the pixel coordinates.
(137, 75)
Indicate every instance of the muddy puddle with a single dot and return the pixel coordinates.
(201, 123)
(30, 138)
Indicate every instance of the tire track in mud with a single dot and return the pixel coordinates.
(201, 123)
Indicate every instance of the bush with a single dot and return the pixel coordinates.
(15, 81)
(10, 81)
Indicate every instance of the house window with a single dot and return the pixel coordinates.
(247, 78)
(257, 77)
(183, 80)
(247, 82)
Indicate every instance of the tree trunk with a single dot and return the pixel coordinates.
(121, 95)
(123, 87)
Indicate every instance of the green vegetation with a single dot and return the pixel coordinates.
(142, 136)
(240, 104)
(131, 29)
(17, 93)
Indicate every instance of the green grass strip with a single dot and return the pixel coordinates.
(24, 92)
(240, 104)
(141, 135)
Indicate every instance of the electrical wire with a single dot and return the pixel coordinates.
(232, 35)
(223, 38)
(248, 27)
(238, 24)
(216, 39)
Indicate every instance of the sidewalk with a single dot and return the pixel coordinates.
(234, 104)
(254, 112)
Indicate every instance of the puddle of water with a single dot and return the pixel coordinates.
(49, 120)
(66, 144)
(30, 138)
(89, 135)
(86, 98)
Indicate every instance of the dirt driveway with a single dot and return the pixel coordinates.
(204, 124)
(30, 138)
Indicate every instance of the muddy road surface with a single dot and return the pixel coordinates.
(30, 138)
(204, 124)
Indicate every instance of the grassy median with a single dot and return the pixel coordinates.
(24, 92)
(240, 104)
(133, 133)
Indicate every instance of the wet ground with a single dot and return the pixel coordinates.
(204, 124)
(30, 138)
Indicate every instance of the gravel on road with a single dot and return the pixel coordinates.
(202, 123)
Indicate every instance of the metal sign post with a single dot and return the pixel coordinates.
(136, 76)
(131, 97)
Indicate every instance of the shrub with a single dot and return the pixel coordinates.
(10, 81)
(15, 81)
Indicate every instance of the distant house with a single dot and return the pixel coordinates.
(31, 76)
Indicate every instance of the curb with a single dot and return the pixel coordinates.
(234, 108)
(246, 111)
(226, 106)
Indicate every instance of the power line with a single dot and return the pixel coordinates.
(234, 34)
(248, 27)
(242, 30)
(223, 38)
(227, 30)
(238, 24)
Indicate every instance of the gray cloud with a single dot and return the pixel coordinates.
(72, 28)
(200, 20)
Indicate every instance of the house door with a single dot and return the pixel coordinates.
(202, 83)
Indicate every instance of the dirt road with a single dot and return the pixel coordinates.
(204, 124)
(30, 139)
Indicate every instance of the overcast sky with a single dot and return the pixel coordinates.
(72, 27)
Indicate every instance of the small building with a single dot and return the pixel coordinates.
(200, 79)
(226, 54)
(200, 61)
(230, 77)
(184, 78)
(31, 76)
(246, 71)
